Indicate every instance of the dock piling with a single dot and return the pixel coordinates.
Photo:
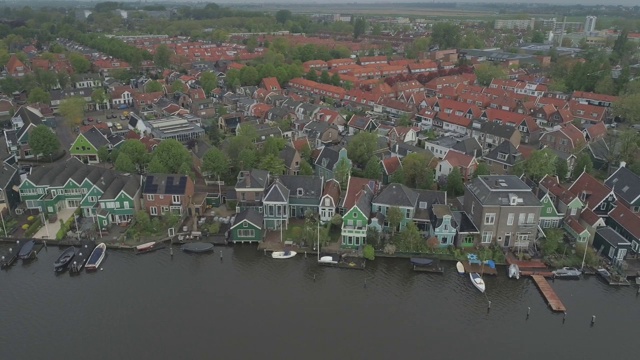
(564, 317)
(489, 306)
(171, 252)
(265, 252)
(314, 277)
(220, 255)
(365, 283)
(528, 312)
(593, 320)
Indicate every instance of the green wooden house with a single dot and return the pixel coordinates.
(443, 225)
(247, 227)
(276, 206)
(611, 244)
(304, 194)
(328, 161)
(85, 147)
(355, 221)
(549, 215)
(575, 230)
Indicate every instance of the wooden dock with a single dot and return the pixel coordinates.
(552, 299)
(81, 257)
(480, 269)
(546, 274)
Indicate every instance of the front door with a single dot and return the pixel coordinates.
(507, 239)
(621, 254)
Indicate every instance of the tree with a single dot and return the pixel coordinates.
(249, 76)
(63, 79)
(539, 164)
(537, 37)
(342, 172)
(136, 157)
(486, 72)
(417, 173)
(445, 35)
(208, 81)
(394, 218)
(247, 158)
(312, 75)
(171, 157)
(482, 169)
(373, 169)
(325, 78)
(215, 163)
(359, 27)
(455, 186)
(605, 86)
(362, 147)
(43, 141)
(305, 168)
(124, 164)
(162, 57)
(178, 87)
(153, 86)
(103, 154)
(552, 241)
(273, 146)
(79, 63)
(46, 79)
(37, 95)
(562, 169)
(583, 163)
(398, 177)
(628, 107)
(273, 164)
(100, 97)
(335, 79)
(282, 16)
(369, 252)
(72, 109)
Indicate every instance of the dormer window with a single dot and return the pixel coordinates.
(300, 191)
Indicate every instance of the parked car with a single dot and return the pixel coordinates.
(122, 107)
(89, 119)
(118, 126)
(109, 124)
(85, 122)
(122, 117)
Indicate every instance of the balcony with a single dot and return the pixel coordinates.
(528, 226)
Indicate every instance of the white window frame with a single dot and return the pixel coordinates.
(175, 199)
(153, 210)
(510, 219)
(150, 197)
(530, 218)
(489, 218)
(521, 218)
(485, 235)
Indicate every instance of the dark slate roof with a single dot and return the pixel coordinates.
(611, 236)
(133, 121)
(599, 149)
(561, 154)
(249, 215)
(500, 130)
(6, 174)
(315, 129)
(310, 185)
(253, 179)
(397, 195)
(277, 193)
(201, 148)
(115, 139)
(95, 138)
(363, 201)
(404, 149)
(131, 185)
(11, 136)
(428, 198)
(288, 154)
(105, 180)
(469, 146)
(464, 223)
(28, 117)
(497, 190)
(308, 109)
(512, 154)
(625, 184)
(169, 184)
(331, 154)
(277, 113)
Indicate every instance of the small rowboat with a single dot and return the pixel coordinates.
(460, 268)
(146, 247)
(197, 247)
(514, 271)
(477, 281)
(327, 260)
(283, 254)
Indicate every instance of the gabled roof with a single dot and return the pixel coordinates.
(329, 153)
(253, 179)
(574, 224)
(574, 134)
(277, 193)
(594, 191)
(249, 215)
(510, 154)
(397, 195)
(499, 190)
(599, 149)
(288, 154)
(391, 164)
(469, 146)
(95, 138)
(302, 186)
(493, 128)
(595, 131)
(29, 115)
(552, 185)
(168, 184)
(625, 184)
(332, 189)
(354, 186)
(457, 159)
(589, 217)
(6, 174)
(271, 84)
(626, 219)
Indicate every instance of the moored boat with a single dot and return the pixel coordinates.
(567, 273)
(96, 257)
(198, 247)
(327, 260)
(477, 281)
(460, 268)
(421, 261)
(146, 247)
(64, 259)
(287, 254)
(26, 250)
(514, 271)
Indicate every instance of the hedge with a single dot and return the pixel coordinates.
(33, 228)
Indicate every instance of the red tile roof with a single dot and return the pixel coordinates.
(597, 131)
(301, 143)
(271, 84)
(594, 189)
(626, 218)
(560, 192)
(454, 119)
(457, 159)
(574, 134)
(391, 165)
(593, 96)
(332, 189)
(353, 188)
(589, 217)
(574, 224)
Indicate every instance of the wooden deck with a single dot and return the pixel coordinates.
(531, 264)
(546, 274)
(475, 268)
(552, 299)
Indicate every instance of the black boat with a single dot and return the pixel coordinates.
(26, 250)
(198, 247)
(64, 259)
(421, 261)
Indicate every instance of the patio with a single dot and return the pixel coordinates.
(49, 230)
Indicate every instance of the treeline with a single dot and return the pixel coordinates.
(113, 47)
(214, 11)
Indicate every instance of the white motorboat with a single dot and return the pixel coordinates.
(514, 272)
(477, 281)
(567, 273)
(283, 254)
(327, 260)
(96, 257)
(460, 268)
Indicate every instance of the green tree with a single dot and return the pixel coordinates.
(273, 146)
(37, 95)
(46, 79)
(373, 169)
(394, 218)
(445, 35)
(137, 157)
(43, 141)
(312, 75)
(215, 163)
(178, 87)
(583, 163)
(482, 169)
(171, 157)
(342, 172)
(100, 97)
(562, 169)
(486, 72)
(455, 186)
(249, 76)
(369, 252)
(153, 86)
(63, 79)
(282, 16)
(417, 172)
(124, 164)
(605, 86)
(628, 107)
(362, 147)
(273, 164)
(552, 241)
(410, 238)
(335, 79)
(537, 37)
(72, 109)
(79, 63)
(539, 164)
(359, 27)
(398, 177)
(325, 78)
(305, 168)
(162, 57)
(209, 82)
(103, 154)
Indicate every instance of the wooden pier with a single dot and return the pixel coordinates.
(82, 255)
(480, 269)
(552, 299)
(546, 274)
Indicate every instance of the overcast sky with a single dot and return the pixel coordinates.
(557, 2)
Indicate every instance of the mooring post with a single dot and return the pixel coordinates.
(171, 251)
(528, 311)
(305, 254)
(45, 245)
(314, 277)
(365, 283)
(564, 317)
(220, 255)
(489, 307)
(265, 252)
(593, 320)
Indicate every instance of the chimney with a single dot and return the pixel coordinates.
(247, 181)
(623, 164)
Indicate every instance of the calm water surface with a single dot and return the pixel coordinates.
(249, 306)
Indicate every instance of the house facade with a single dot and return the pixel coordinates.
(247, 227)
(167, 194)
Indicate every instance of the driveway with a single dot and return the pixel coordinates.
(50, 230)
(65, 133)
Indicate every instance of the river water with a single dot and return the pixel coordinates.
(249, 306)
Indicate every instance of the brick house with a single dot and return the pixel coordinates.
(167, 193)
